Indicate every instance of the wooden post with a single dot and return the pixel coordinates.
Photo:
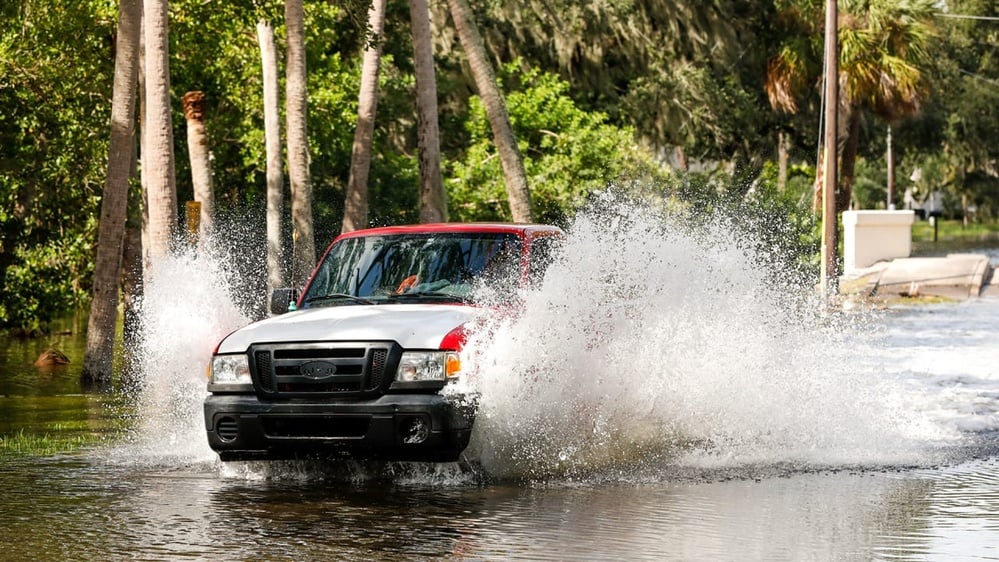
(201, 165)
(829, 284)
(193, 213)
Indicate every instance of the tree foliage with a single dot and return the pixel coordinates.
(55, 96)
(648, 65)
(568, 152)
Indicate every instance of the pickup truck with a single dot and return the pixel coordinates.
(356, 363)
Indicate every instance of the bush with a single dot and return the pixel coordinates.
(568, 153)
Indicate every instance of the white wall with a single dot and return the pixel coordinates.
(873, 236)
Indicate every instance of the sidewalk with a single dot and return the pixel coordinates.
(957, 276)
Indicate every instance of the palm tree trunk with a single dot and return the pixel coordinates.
(98, 358)
(201, 168)
(272, 135)
(158, 158)
(143, 147)
(848, 161)
(131, 254)
(514, 174)
(131, 286)
(433, 203)
(355, 212)
(303, 239)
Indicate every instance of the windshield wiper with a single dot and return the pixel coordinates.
(434, 295)
(337, 297)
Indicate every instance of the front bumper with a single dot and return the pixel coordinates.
(402, 427)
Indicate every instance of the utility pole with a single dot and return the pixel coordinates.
(830, 249)
(891, 174)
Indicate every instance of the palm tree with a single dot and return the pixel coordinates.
(433, 204)
(98, 356)
(883, 43)
(355, 212)
(303, 239)
(514, 174)
(795, 70)
(157, 158)
(880, 58)
(272, 135)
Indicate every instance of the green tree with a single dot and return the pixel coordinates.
(960, 123)
(433, 203)
(883, 56)
(355, 212)
(510, 156)
(55, 98)
(686, 78)
(97, 361)
(296, 112)
(884, 49)
(272, 136)
(568, 153)
(648, 65)
(158, 167)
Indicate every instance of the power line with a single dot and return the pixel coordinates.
(979, 77)
(966, 17)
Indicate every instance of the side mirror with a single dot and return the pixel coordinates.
(283, 300)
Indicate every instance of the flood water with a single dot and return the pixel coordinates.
(710, 419)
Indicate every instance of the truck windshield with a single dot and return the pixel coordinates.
(443, 266)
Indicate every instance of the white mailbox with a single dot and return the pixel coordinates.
(872, 236)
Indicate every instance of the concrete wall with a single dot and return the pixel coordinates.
(873, 236)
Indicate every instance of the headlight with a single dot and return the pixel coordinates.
(427, 366)
(230, 370)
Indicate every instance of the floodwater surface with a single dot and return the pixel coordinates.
(682, 410)
(83, 509)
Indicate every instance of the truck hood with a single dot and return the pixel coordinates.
(413, 326)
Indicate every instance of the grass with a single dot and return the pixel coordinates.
(955, 231)
(63, 440)
(45, 425)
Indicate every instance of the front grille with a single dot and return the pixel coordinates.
(264, 370)
(340, 370)
(377, 372)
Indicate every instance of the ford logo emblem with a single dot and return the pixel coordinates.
(317, 370)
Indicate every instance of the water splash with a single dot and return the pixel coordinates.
(650, 347)
(187, 307)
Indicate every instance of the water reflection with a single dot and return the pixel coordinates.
(961, 518)
(17, 357)
(81, 508)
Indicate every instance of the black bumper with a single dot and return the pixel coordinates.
(402, 427)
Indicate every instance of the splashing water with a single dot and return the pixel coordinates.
(648, 347)
(186, 309)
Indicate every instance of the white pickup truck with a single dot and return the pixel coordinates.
(356, 362)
